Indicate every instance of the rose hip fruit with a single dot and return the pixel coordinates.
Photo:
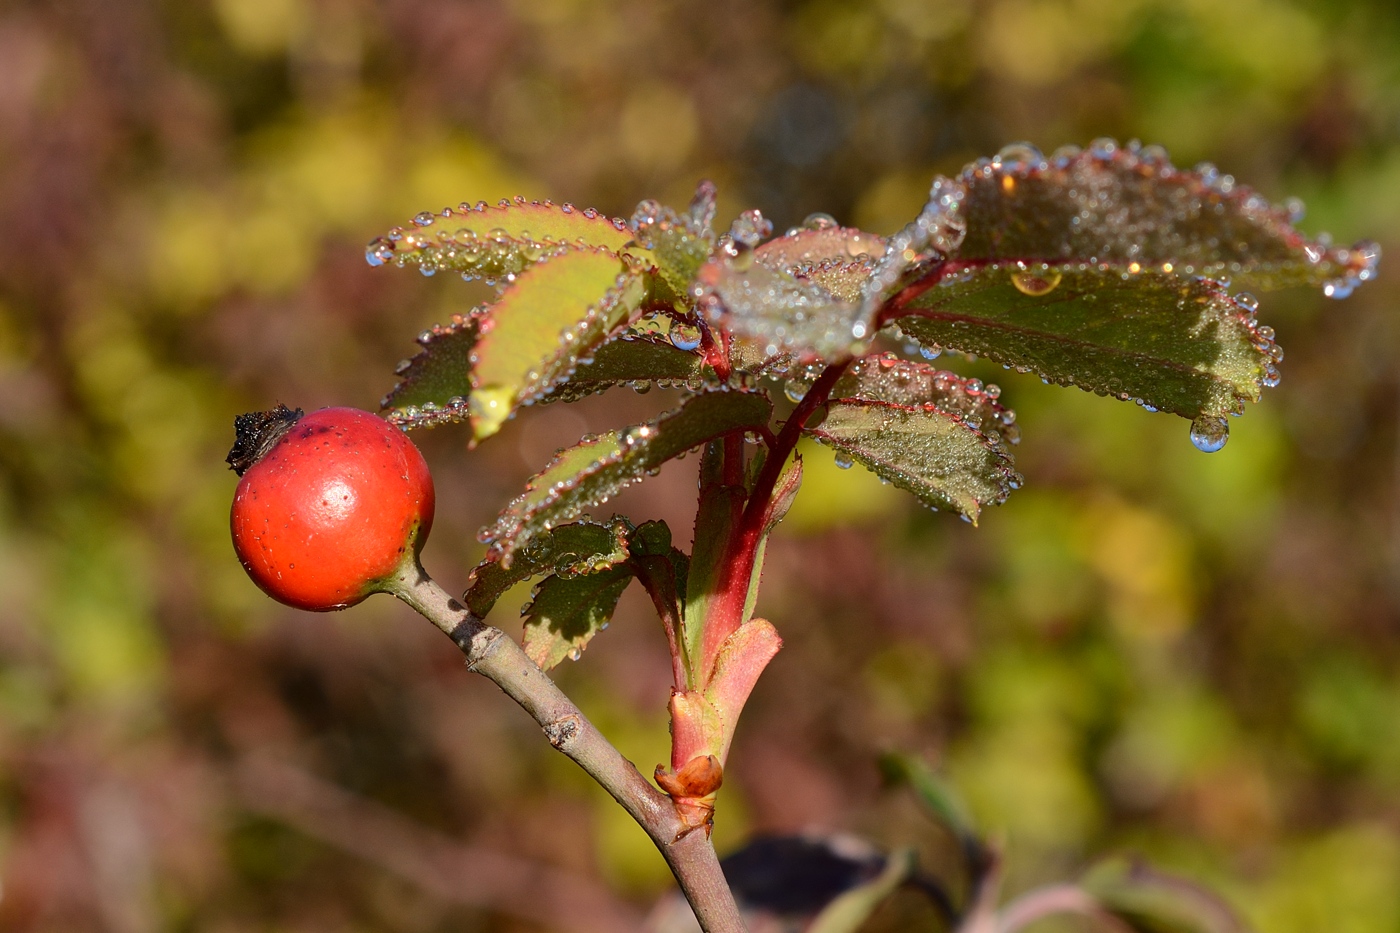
(330, 506)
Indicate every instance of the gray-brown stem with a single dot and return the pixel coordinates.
(492, 653)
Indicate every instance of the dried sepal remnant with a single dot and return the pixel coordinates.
(534, 335)
(599, 467)
(494, 242)
(1128, 205)
(567, 550)
(932, 433)
(1170, 343)
(434, 385)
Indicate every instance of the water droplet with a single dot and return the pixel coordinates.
(1209, 433)
(1247, 301)
(575, 654)
(424, 219)
(1338, 288)
(685, 336)
(844, 461)
(1017, 155)
(1296, 209)
(796, 389)
(379, 251)
(1104, 147)
(1036, 284)
(819, 221)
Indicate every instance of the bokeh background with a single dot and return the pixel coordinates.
(1147, 649)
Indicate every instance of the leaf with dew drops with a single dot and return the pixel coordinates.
(567, 612)
(1120, 205)
(598, 468)
(1150, 901)
(534, 335)
(639, 360)
(494, 242)
(1175, 344)
(567, 550)
(947, 448)
(434, 385)
(677, 244)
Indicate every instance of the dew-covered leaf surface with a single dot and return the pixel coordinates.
(494, 242)
(812, 245)
(535, 333)
(1150, 901)
(775, 311)
(593, 471)
(1177, 344)
(434, 386)
(568, 550)
(1127, 204)
(568, 611)
(634, 359)
(934, 434)
(677, 244)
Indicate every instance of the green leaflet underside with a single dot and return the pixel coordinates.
(535, 333)
(495, 242)
(567, 612)
(598, 468)
(569, 550)
(434, 386)
(884, 377)
(934, 454)
(1176, 344)
(1122, 205)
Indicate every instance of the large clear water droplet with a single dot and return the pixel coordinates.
(685, 336)
(1036, 284)
(1209, 433)
(844, 461)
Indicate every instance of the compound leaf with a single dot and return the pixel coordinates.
(568, 611)
(934, 434)
(535, 333)
(1150, 901)
(568, 551)
(1176, 344)
(598, 468)
(434, 385)
(495, 242)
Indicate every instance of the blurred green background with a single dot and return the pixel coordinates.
(1147, 649)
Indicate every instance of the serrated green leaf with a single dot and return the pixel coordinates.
(535, 333)
(568, 611)
(1122, 205)
(852, 908)
(598, 468)
(568, 550)
(677, 244)
(434, 386)
(937, 455)
(631, 358)
(1150, 901)
(1176, 344)
(495, 242)
(884, 377)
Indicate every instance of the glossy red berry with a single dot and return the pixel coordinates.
(330, 504)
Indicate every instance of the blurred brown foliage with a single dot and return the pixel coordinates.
(1191, 656)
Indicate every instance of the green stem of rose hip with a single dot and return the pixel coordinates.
(493, 654)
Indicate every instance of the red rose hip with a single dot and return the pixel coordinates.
(330, 505)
